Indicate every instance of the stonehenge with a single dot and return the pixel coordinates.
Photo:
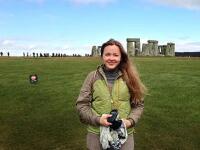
(151, 48)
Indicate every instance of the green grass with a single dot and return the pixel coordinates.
(43, 116)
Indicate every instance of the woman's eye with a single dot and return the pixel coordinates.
(107, 54)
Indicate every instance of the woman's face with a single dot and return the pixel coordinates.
(111, 56)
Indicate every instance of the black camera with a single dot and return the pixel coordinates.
(114, 120)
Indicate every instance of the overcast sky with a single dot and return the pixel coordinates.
(73, 26)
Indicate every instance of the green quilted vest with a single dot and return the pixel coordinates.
(104, 100)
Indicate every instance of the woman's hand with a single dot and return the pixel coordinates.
(103, 120)
(127, 123)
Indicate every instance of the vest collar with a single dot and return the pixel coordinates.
(100, 70)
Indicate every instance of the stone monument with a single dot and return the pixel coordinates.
(96, 50)
(133, 46)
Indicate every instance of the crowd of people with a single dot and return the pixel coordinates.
(8, 54)
(45, 55)
(50, 55)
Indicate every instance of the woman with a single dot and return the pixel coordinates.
(114, 85)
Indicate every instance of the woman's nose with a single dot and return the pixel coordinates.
(112, 57)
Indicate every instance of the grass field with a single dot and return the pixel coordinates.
(43, 116)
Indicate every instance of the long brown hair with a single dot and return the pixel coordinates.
(130, 74)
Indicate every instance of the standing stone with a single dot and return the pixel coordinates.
(155, 48)
(99, 50)
(150, 47)
(94, 49)
(130, 48)
(168, 50)
(133, 46)
(145, 49)
(137, 48)
(171, 49)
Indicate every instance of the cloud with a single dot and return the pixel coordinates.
(188, 46)
(184, 38)
(187, 4)
(7, 42)
(22, 1)
(28, 43)
(194, 44)
(79, 2)
(40, 2)
(86, 2)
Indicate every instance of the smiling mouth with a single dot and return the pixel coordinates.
(111, 63)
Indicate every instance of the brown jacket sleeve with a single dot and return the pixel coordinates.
(136, 112)
(83, 103)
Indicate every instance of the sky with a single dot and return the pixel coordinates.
(74, 26)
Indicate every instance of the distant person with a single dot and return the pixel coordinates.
(8, 54)
(113, 88)
(1, 53)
